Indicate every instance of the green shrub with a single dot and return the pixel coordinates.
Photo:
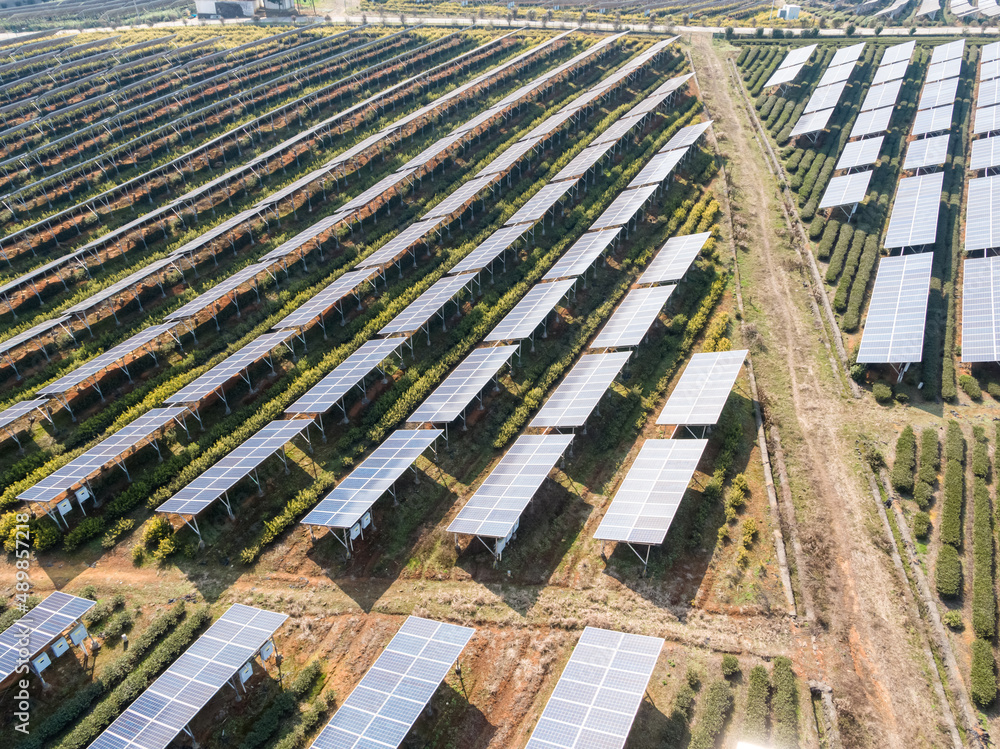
(980, 453)
(906, 460)
(953, 619)
(993, 389)
(840, 253)
(984, 605)
(948, 572)
(124, 525)
(785, 703)
(850, 268)
(730, 665)
(718, 705)
(117, 625)
(921, 524)
(693, 677)
(954, 445)
(104, 608)
(922, 495)
(167, 547)
(755, 716)
(970, 385)
(157, 528)
(87, 591)
(859, 288)
(930, 461)
(951, 510)
(87, 529)
(825, 248)
(983, 676)
(882, 392)
(269, 722)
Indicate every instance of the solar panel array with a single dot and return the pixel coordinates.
(357, 492)
(939, 71)
(633, 318)
(914, 218)
(402, 243)
(385, 704)
(702, 391)
(870, 123)
(687, 136)
(938, 94)
(647, 500)
(624, 207)
(980, 304)
(950, 51)
(927, 152)
(529, 313)
(835, 74)
(599, 692)
(891, 72)
(224, 475)
(326, 393)
(540, 203)
(580, 391)
(494, 510)
(428, 304)
(674, 258)
(894, 330)
(846, 189)
(860, 153)
(324, 301)
(217, 292)
(491, 248)
(96, 458)
(582, 253)
(981, 231)
(42, 624)
(229, 368)
(825, 97)
(933, 120)
(22, 408)
(452, 396)
(985, 153)
(658, 168)
(812, 122)
(898, 52)
(791, 66)
(882, 95)
(170, 702)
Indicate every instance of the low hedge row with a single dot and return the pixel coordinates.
(948, 572)
(840, 253)
(785, 703)
(268, 723)
(984, 604)
(983, 675)
(755, 716)
(859, 287)
(906, 453)
(951, 509)
(715, 713)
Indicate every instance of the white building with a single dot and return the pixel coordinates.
(789, 12)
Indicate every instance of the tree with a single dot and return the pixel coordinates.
(729, 32)
(851, 28)
(777, 34)
(758, 32)
(879, 29)
(913, 30)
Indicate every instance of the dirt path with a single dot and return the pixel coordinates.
(863, 644)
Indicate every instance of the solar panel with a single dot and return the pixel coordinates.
(109, 358)
(798, 56)
(22, 408)
(581, 390)
(530, 312)
(846, 189)
(669, 86)
(891, 72)
(301, 239)
(585, 250)
(509, 157)
(131, 281)
(989, 93)
(229, 368)
(783, 75)
(894, 330)
(491, 248)
(44, 623)
(376, 191)
(460, 198)
(943, 92)
(941, 70)
(658, 169)
(812, 122)
(496, 507)
(898, 52)
(549, 125)
(882, 95)
(989, 70)
(985, 153)
(875, 121)
(619, 129)
(599, 692)
(540, 203)
(399, 245)
(170, 702)
(687, 136)
(672, 260)
(702, 391)
(949, 51)
(835, 74)
(325, 300)
(34, 332)
(929, 6)
(428, 304)
(217, 292)
(982, 207)
(987, 120)
(860, 153)
(357, 492)
(452, 396)
(385, 704)
(96, 458)
(927, 152)
(980, 310)
(846, 55)
(990, 52)
(825, 97)
(224, 475)
(624, 207)
(326, 393)
(933, 120)
(633, 318)
(645, 504)
(914, 217)
(583, 161)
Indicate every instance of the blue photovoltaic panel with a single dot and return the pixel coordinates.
(703, 389)
(599, 692)
(659, 168)
(897, 315)
(44, 623)
(530, 312)
(870, 123)
(645, 504)
(170, 702)
(882, 95)
(496, 507)
(860, 153)
(490, 249)
(355, 495)
(982, 214)
(325, 300)
(890, 72)
(813, 122)
(400, 244)
(672, 260)
(382, 708)
(687, 136)
(452, 396)
(96, 458)
(572, 402)
(981, 310)
(624, 208)
(914, 218)
(898, 52)
(428, 304)
(325, 394)
(225, 474)
(585, 250)
(935, 119)
(633, 318)
(11, 414)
